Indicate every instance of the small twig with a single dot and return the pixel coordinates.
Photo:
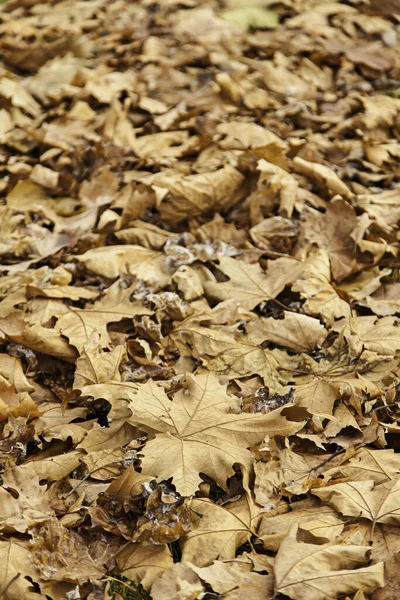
(282, 305)
(385, 406)
(332, 456)
(86, 477)
(9, 584)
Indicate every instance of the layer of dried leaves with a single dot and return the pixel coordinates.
(200, 298)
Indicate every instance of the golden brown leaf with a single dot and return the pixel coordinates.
(324, 570)
(197, 433)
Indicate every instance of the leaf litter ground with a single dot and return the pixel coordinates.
(200, 292)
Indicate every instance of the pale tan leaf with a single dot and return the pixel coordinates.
(32, 504)
(197, 433)
(17, 567)
(369, 464)
(80, 324)
(335, 232)
(297, 332)
(315, 287)
(180, 582)
(234, 581)
(112, 261)
(323, 571)
(249, 284)
(193, 195)
(220, 531)
(316, 395)
(322, 522)
(379, 337)
(36, 337)
(378, 503)
(322, 175)
(144, 564)
(95, 366)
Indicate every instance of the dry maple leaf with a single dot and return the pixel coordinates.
(242, 136)
(316, 395)
(144, 564)
(53, 468)
(17, 568)
(235, 581)
(249, 285)
(193, 195)
(314, 285)
(322, 174)
(195, 432)
(378, 503)
(179, 582)
(322, 523)
(220, 531)
(79, 325)
(56, 423)
(14, 403)
(370, 464)
(323, 571)
(112, 261)
(275, 234)
(286, 473)
(229, 581)
(299, 333)
(95, 366)
(335, 232)
(33, 501)
(233, 356)
(371, 336)
(36, 337)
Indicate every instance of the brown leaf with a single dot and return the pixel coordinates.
(296, 332)
(334, 232)
(190, 430)
(144, 564)
(14, 582)
(249, 284)
(323, 570)
(193, 195)
(33, 503)
(36, 337)
(112, 261)
(235, 581)
(380, 504)
(220, 531)
(179, 582)
(61, 555)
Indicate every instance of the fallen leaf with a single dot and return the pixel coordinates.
(364, 499)
(323, 569)
(16, 557)
(296, 332)
(322, 175)
(61, 555)
(249, 284)
(113, 261)
(144, 564)
(190, 430)
(220, 531)
(178, 583)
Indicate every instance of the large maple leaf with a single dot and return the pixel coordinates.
(196, 432)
